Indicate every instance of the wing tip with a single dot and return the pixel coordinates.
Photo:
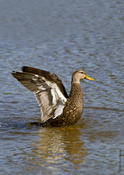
(13, 73)
(17, 75)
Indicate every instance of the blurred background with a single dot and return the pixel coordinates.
(62, 36)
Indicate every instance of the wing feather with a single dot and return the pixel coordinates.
(48, 94)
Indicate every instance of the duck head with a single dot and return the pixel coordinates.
(80, 75)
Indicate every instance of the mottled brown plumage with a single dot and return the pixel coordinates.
(58, 109)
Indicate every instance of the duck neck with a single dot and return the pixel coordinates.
(76, 92)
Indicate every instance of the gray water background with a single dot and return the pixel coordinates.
(62, 36)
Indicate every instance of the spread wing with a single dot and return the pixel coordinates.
(48, 89)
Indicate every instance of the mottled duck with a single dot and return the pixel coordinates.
(57, 108)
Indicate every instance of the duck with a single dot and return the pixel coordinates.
(56, 106)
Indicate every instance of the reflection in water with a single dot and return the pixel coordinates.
(60, 150)
(57, 145)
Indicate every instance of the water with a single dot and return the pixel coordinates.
(62, 36)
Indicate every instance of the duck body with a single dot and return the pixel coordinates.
(57, 108)
(72, 111)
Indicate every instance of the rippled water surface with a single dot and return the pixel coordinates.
(62, 36)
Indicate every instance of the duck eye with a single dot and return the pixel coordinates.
(82, 72)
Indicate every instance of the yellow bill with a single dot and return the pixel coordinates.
(89, 78)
